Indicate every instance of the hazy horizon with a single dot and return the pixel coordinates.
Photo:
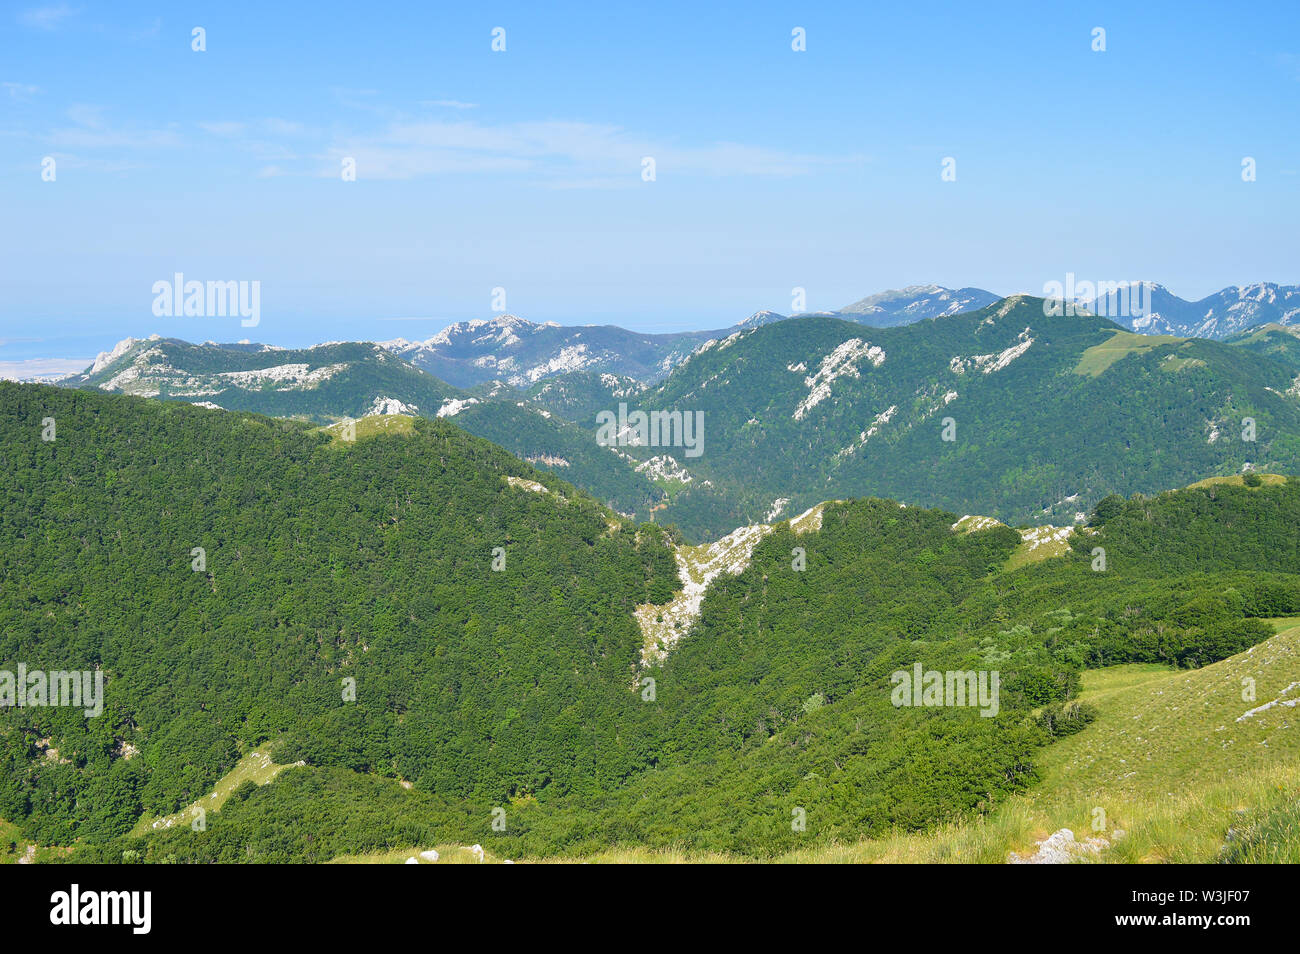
(840, 151)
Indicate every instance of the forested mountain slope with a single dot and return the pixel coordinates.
(323, 561)
(1005, 411)
(521, 693)
(1277, 341)
(351, 379)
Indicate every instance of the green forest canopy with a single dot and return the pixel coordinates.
(523, 688)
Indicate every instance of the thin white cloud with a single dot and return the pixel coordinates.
(270, 126)
(573, 153)
(223, 128)
(449, 104)
(554, 154)
(258, 138)
(68, 160)
(46, 18)
(386, 162)
(115, 139)
(20, 91)
(85, 115)
(282, 127)
(90, 130)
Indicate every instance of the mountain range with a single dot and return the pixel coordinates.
(1026, 416)
(1221, 315)
(1049, 413)
(521, 353)
(333, 382)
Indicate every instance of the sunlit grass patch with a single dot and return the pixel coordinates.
(1239, 480)
(1040, 543)
(371, 426)
(1099, 357)
(255, 767)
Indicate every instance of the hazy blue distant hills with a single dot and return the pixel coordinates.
(900, 306)
(914, 303)
(1218, 316)
(323, 383)
(521, 352)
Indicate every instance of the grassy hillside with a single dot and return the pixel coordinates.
(1169, 760)
(1099, 357)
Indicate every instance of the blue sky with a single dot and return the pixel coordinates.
(522, 169)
